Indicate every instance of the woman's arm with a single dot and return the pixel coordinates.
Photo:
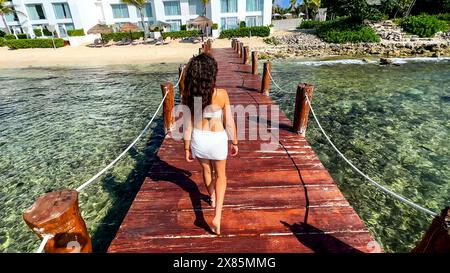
(230, 125)
(187, 134)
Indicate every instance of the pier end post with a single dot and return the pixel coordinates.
(255, 62)
(265, 86)
(301, 112)
(168, 105)
(437, 238)
(57, 214)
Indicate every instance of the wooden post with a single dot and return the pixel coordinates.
(181, 76)
(209, 45)
(255, 63)
(241, 50)
(301, 112)
(265, 86)
(238, 48)
(246, 53)
(437, 237)
(233, 43)
(57, 214)
(168, 105)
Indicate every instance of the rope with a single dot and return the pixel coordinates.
(379, 186)
(90, 181)
(43, 243)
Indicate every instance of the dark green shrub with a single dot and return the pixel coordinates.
(272, 41)
(119, 36)
(34, 43)
(76, 32)
(22, 36)
(310, 25)
(442, 16)
(9, 36)
(47, 32)
(423, 25)
(242, 24)
(37, 32)
(246, 31)
(181, 34)
(2, 33)
(215, 26)
(183, 27)
(2, 42)
(346, 30)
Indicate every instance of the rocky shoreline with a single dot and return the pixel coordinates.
(394, 43)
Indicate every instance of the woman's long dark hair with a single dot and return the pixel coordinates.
(200, 80)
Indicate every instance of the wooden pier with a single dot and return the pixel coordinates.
(276, 201)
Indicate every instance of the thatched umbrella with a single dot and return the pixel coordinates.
(99, 29)
(160, 25)
(201, 22)
(129, 27)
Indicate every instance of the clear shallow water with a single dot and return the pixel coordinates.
(60, 126)
(393, 123)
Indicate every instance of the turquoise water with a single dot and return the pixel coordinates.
(391, 122)
(60, 126)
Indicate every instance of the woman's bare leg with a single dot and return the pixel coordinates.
(221, 186)
(209, 178)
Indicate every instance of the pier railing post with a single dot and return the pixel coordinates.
(168, 105)
(57, 214)
(238, 50)
(265, 86)
(246, 53)
(255, 62)
(301, 112)
(437, 238)
(241, 50)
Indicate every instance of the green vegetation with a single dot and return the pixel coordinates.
(34, 43)
(246, 31)
(310, 24)
(242, 24)
(47, 32)
(346, 30)
(119, 36)
(2, 42)
(76, 32)
(12, 37)
(215, 26)
(423, 25)
(181, 34)
(271, 41)
(183, 27)
(37, 32)
(2, 33)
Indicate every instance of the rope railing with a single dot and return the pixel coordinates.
(110, 165)
(373, 182)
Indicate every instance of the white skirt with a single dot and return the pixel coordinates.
(209, 145)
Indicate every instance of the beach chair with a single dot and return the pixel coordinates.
(167, 41)
(160, 41)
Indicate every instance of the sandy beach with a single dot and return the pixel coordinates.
(131, 54)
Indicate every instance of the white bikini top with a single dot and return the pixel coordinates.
(216, 114)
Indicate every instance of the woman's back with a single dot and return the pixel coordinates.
(212, 118)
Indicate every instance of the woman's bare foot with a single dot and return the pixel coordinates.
(216, 226)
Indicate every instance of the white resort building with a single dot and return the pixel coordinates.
(84, 14)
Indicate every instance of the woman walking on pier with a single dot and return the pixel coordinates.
(209, 128)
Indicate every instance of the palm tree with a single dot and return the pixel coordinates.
(293, 4)
(205, 3)
(5, 9)
(140, 5)
(310, 4)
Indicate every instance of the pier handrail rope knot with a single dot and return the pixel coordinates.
(376, 184)
(110, 165)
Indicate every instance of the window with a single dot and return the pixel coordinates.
(62, 10)
(227, 6)
(253, 21)
(147, 10)
(229, 23)
(255, 5)
(36, 12)
(120, 11)
(175, 25)
(11, 17)
(172, 8)
(195, 7)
